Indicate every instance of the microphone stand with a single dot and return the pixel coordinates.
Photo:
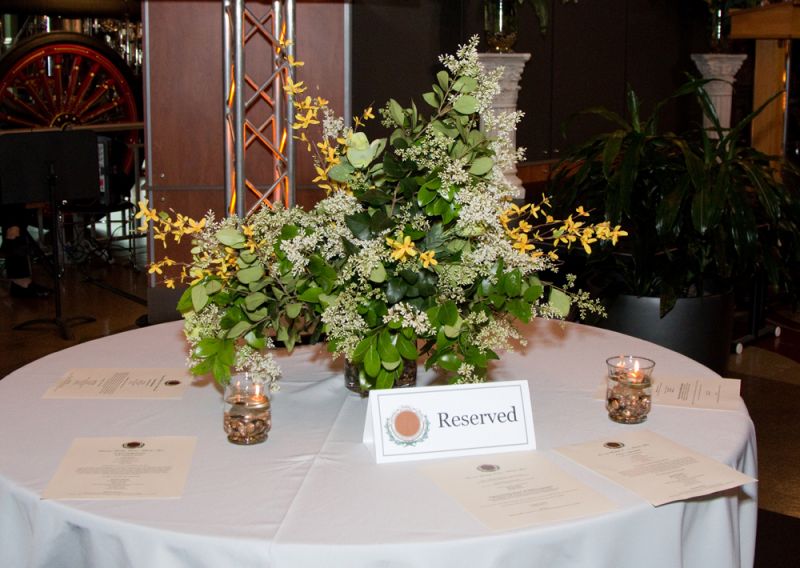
(57, 268)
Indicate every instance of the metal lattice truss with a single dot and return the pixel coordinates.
(257, 111)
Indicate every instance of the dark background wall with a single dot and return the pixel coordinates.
(592, 50)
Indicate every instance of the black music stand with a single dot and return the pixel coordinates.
(52, 167)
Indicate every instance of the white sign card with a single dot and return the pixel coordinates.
(121, 383)
(654, 467)
(123, 468)
(512, 491)
(447, 421)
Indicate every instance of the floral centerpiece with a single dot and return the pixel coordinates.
(417, 251)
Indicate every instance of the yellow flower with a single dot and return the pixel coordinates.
(522, 244)
(293, 62)
(170, 283)
(368, 113)
(292, 88)
(304, 121)
(195, 226)
(402, 248)
(427, 258)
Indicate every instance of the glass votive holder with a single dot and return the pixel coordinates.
(629, 388)
(247, 414)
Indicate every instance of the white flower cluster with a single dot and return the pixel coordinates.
(371, 253)
(432, 152)
(260, 364)
(328, 221)
(498, 335)
(332, 125)
(196, 326)
(298, 250)
(502, 125)
(465, 63)
(408, 316)
(343, 323)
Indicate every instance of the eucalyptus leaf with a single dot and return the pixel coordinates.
(199, 297)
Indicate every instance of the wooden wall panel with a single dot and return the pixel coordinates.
(185, 41)
(185, 118)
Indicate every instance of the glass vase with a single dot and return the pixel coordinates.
(247, 415)
(353, 371)
(500, 24)
(629, 388)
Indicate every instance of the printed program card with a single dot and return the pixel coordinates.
(713, 393)
(121, 383)
(655, 468)
(511, 491)
(123, 468)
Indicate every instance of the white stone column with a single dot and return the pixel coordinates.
(506, 101)
(721, 66)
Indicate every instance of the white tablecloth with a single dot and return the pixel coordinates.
(311, 496)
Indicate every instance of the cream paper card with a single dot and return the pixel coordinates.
(655, 468)
(123, 468)
(713, 393)
(448, 421)
(709, 393)
(121, 383)
(512, 491)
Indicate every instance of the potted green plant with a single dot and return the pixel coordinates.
(707, 211)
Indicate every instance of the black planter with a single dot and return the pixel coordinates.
(700, 328)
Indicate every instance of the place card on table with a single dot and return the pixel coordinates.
(712, 393)
(655, 468)
(121, 383)
(123, 468)
(512, 491)
(447, 421)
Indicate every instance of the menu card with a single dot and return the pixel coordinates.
(123, 468)
(655, 468)
(515, 490)
(121, 383)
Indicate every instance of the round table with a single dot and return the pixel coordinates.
(312, 495)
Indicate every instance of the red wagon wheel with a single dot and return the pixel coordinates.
(61, 79)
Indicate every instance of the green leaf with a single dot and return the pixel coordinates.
(254, 300)
(560, 302)
(206, 347)
(396, 114)
(448, 313)
(239, 329)
(372, 361)
(230, 237)
(251, 274)
(385, 380)
(213, 286)
(466, 104)
(293, 310)
(311, 295)
(512, 283)
(358, 223)
(378, 274)
(431, 99)
(443, 78)
(359, 151)
(481, 166)
(396, 290)
(255, 340)
(341, 172)
(386, 349)
(449, 361)
(425, 196)
(185, 302)
(407, 348)
(199, 297)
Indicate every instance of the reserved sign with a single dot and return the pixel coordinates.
(458, 420)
